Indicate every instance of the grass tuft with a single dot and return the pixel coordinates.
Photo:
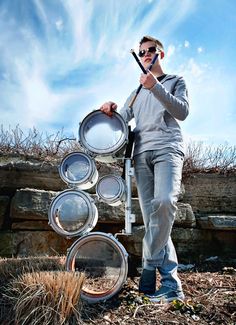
(45, 297)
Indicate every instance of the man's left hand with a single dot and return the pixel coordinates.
(148, 80)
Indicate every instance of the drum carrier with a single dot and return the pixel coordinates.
(73, 212)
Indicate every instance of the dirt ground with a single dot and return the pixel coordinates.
(210, 299)
(210, 291)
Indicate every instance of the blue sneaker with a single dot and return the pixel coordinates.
(166, 294)
(147, 283)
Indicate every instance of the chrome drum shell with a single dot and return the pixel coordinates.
(72, 213)
(104, 137)
(111, 189)
(78, 169)
(103, 260)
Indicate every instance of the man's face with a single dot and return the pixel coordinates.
(147, 51)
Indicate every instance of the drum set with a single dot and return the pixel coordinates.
(73, 212)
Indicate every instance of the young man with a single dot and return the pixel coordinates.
(158, 159)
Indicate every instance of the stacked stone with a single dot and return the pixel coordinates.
(205, 224)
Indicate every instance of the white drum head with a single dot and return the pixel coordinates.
(79, 169)
(103, 136)
(103, 260)
(111, 189)
(72, 213)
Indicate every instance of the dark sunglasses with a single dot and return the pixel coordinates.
(151, 49)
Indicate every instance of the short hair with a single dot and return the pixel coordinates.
(148, 38)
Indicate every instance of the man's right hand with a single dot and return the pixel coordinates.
(108, 108)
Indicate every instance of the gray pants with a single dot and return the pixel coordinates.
(158, 175)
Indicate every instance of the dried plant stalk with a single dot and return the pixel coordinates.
(199, 157)
(35, 143)
(45, 297)
(13, 267)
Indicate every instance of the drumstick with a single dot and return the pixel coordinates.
(140, 86)
(138, 61)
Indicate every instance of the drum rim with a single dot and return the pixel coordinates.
(122, 189)
(104, 152)
(91, 219)
(124, 267)
(86, 179)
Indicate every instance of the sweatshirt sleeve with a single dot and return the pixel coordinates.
(177, 104)
(126, 112)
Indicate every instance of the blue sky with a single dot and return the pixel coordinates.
(62, 59)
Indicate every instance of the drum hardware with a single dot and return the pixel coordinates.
(73, 213)
(111, 189)
(78, 170)
(129, 217)
(103, 137)
(105, 262)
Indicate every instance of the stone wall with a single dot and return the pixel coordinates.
(205, 224)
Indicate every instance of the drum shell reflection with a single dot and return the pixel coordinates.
(103, 260)
(111, 189)
(104, 137)
(72, 213)
(78, 169)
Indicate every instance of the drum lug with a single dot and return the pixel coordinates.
(131, 171)
(132, 217)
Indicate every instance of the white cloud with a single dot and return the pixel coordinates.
(28, 99)
(195, 69)
(211, 104)
(59, 24)
(170, 51)
(186, 44)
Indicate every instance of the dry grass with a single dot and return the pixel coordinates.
(45, 297)
(35, 144)
(11, 268)
(199, 156)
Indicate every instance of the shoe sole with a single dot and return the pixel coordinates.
(164, 299)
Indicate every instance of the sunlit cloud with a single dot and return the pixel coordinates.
(59, 24)
(170, 51)
(209, 102)
(186, 44)
(60, 60)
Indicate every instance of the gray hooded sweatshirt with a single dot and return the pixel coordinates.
(156, 112)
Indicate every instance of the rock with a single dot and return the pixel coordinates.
(190, 243)
(185, 216)
(31, 204)
(33, 243)
(4, 206)
(17, 172)
(31, 225)
(6, 244)
(222, 222)
(211, 193)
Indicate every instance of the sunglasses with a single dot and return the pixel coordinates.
(151, 49)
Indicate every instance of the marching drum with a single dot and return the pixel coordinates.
(105, 264)
(72, 213)
(104, 137)
(78, 169)
(111, 189)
